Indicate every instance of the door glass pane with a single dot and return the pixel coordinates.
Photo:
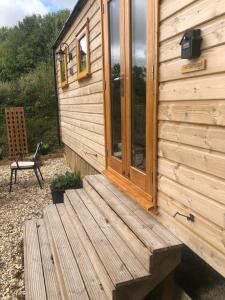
(114, 36)
(138, 107)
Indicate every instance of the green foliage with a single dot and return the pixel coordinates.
(44, 148)
(28, 44)
(27, 75)
(69, 180)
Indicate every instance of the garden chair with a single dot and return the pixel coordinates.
(32, 164)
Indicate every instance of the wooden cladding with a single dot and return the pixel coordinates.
(16, 130)
(81, 105)
(191, 147)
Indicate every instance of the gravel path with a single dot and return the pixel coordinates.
(26, 201)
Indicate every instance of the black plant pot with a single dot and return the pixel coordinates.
(44, 151)
(57, 196)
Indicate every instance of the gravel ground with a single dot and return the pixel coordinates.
(26, 201)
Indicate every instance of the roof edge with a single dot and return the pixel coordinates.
(77, 8)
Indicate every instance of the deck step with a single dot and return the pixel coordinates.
(97, 245)
(151, 233)
(40, 276)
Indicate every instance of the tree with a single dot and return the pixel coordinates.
(26, 74)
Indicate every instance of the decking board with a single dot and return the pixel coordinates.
(90, 278)
(34, 276)
(145, 234)
(140, 250)
(126, 255)
(93, 255)
(52, 288)
(87, 248)
(75, 287)
(114, 265)
(155, 226)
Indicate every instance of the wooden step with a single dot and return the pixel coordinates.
(73, 264)
(138, 248)
(92, 253)
(97, 245)
(40, 276)
(153, 235)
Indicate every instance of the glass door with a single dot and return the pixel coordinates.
(139, 62)
(115, 85)
(129, 90)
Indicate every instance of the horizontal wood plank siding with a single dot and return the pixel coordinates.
(76, 162)
(191, 129)
(81, 105)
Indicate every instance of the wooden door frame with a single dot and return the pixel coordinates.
(151, 111)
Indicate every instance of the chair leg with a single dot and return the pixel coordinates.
(40, 173)
(11, 181)
(38, 179)
(15, 176)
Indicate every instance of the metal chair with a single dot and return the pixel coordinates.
(20, 165)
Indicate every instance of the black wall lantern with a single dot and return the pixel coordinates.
(191, 44)
(60, 54)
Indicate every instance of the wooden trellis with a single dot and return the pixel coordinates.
(16, 131)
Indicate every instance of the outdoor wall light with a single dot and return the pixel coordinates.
(60, 54)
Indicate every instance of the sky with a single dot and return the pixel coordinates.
(13, 11)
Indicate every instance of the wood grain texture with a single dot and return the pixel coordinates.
(34, 277)
(172, 70)
(212, 33)
(88, 251)
(90, 278)
(200, 11)
(169, 239)
(51, 284)
(141, 252)
(167, 7)
(81, 104)
(191, 128)
(114, 265)
(145, 234)
(201, 88)
(77, 163)
(92, 253)
(196, 112)
(75, 288)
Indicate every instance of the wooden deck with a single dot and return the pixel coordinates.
(98, 245)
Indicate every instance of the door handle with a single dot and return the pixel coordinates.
(121, 80)
(122, 85)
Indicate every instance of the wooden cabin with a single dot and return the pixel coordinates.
(132, 109)
(141, 100)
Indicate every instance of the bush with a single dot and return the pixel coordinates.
(44, 148)
(69, 180)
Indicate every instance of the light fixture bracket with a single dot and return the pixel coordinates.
(62, 52)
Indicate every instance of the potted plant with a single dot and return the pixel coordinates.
(60, 183)
(44, 148)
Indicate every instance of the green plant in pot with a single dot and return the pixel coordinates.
(60, 183)
(44, 148)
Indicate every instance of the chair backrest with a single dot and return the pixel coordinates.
(36, 154)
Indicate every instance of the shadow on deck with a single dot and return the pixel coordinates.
(98, 244)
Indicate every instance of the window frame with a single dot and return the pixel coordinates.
(83, 32)
(64, 84)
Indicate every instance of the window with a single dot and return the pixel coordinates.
(63, 70)
(83, 52)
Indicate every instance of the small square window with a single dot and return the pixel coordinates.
(63, 70)
(83, 52)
